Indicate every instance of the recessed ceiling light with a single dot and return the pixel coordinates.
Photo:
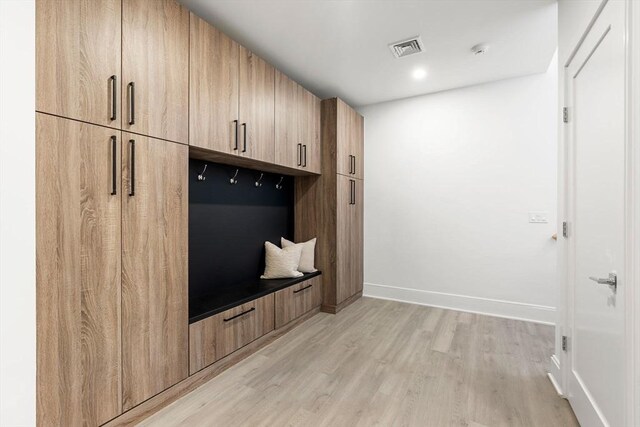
(419, 73)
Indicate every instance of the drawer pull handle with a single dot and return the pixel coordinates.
(239, 314)
(302, 289)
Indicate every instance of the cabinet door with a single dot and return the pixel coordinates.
(344, 240)
(312, 139)
(257, 114)
(344, 120)
(78, 59)
(287, 119)
(154, 267)
(357, 142)
(357, 234)
(155, 61)
(214, 77)
(78, 247)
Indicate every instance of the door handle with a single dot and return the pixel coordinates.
(611, 281)
(114, 164)
(132, 102)
(299, 154)
(305, 155)
(132, 168)
(114, 97)
(239, 314)
(353, 182)
(235, 147)
(302, 289)
(244, 143)
(354, 165)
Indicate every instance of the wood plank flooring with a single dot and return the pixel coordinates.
(384, 363)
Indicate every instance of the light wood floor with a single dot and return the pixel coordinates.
(384, 363)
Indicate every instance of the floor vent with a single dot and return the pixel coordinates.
(406, 47)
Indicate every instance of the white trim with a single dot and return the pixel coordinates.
(471, 304)
(555, 373)
(632, 273)
(554, 384)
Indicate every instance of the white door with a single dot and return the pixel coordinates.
(595, 82)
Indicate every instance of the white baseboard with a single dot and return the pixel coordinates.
(487, 306)
(555, 374)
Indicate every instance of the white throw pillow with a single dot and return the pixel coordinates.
(307, 258)
(281, 263)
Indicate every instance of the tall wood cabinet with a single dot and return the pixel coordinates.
(78, 249)
(111, 265)
(332, 206)
(155, 313)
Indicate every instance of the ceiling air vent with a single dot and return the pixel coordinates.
(406, 47)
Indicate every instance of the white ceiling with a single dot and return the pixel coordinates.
(339, 47)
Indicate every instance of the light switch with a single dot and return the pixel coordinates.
(538, 217)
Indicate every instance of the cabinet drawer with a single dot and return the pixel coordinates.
(217, 336)
(296, 300)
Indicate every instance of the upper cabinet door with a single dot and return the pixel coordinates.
(155, 313)
(312, 152)
(78, 251)
(155, 61)
(213, 100)
(257, 112)
(78, 59)
(287, 119)
(344, 155)
(357, 141)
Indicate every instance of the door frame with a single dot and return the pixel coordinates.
(632, 216)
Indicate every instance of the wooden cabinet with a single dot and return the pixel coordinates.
(349, 141)
(333, 207)
(357, 234)
(349, 237)
(313, 150)
(78, 51)
(217, 336)
(257, 96)
(214, 88)
(78, 248)
(357, 142)
(297, 121)
(154, 267)
(155, 61)
(287, 122)
(296, 300)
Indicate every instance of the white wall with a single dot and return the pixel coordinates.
(17, 213)
(449, 181)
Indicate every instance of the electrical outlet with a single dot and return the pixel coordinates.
(538, 217)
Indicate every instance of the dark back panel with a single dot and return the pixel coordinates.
(228, 225)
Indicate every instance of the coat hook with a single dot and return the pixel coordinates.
(234, 180)
(201, 176)
(259, 181)
(279, 184)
